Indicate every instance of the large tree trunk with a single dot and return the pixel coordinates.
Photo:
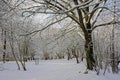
(89, 55)
(89, 48)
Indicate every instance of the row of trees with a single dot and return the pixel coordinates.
(13, 45)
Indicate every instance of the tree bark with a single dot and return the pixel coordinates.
(89, 55)
(89, 48)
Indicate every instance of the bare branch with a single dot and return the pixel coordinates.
(109, 23)
(44, 27)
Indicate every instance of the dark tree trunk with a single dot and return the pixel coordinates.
(75, 54)
(89, 48)
(4, 46)
(68, 55)
(89, 55)
(23, 66)
(77, 59)
(114, 63)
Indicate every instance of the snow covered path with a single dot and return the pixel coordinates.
(52, 70)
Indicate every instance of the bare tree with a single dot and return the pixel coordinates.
(83, 12)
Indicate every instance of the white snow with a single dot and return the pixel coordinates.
(52, 70)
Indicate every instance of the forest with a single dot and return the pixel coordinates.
(59, 39)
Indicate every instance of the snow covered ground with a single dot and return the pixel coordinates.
(52, 70)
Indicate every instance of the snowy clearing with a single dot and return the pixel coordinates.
(52, 70)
